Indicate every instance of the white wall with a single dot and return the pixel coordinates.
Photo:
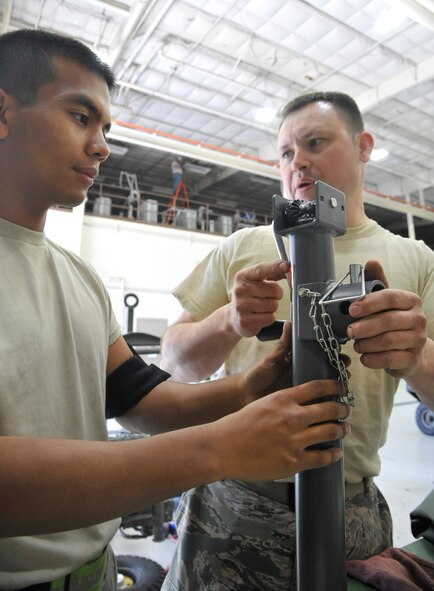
(64, 226)
(148, 260)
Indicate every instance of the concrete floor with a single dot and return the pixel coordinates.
(407, 476)
(407, 472)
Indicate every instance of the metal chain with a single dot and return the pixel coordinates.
(330, 344)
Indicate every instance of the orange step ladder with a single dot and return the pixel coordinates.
(181, 191)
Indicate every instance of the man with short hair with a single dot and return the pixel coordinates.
(64, 365)
(241, 535)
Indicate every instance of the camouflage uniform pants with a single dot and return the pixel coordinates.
(233, 539)
(110, 582)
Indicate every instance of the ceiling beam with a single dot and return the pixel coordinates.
(212, 74)
(194, 106)
(192, 149)
(104, 6)
(127, 30)
(7, 11)
(388, 89)
(429, 4)
(417, 12)
(148, 33)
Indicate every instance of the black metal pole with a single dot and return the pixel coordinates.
(320, 493)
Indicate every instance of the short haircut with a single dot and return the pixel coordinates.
(26, 61)
(343, 103)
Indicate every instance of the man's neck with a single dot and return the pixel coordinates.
(356, 218)
(356, 215)
(21, 217)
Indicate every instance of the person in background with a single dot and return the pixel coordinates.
(239, 534)
(64, 366)
(177, 173)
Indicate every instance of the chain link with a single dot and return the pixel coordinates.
(328, 344)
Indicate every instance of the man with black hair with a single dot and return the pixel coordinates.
(64, 365)
(241, 535)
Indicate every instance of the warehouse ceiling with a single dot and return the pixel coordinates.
(207, 79)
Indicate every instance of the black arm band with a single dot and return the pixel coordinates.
(129, 383)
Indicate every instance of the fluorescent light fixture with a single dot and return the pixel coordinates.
(197, 168)
(379, 154)
(389, 20)
(265, 114)
(118, 150)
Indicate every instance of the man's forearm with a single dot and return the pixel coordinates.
(50, 485)
(57, 485)
(174, 405)
(192, 351)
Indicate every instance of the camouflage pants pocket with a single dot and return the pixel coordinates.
(368, 524)
(232, 539)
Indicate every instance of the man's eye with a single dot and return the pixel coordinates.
(288, 155)
(81, 118)
(314, 142)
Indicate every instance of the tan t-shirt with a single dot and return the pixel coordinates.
(408, 264)
(57, 325)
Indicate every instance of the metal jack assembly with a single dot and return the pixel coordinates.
(320, 319)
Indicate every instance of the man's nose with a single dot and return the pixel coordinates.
(300, 159)
(98, 147)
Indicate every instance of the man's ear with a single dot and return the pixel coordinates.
(366, 144)
(5, 105)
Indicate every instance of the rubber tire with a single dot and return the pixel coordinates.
(146, 574)
(425, 419)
